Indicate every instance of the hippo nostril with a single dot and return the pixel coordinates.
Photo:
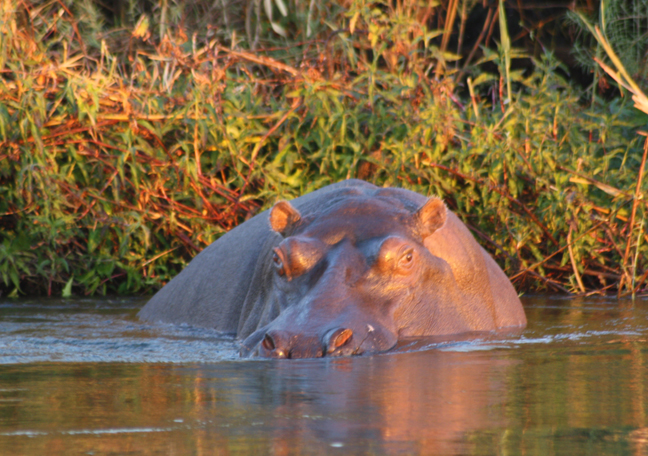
(268, 342)
(338, 338)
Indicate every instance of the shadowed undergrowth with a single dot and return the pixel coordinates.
(118, 165)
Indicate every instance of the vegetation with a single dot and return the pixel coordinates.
(131, 139)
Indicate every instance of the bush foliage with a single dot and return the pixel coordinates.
(120, 159)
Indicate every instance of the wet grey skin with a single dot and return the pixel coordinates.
(342, 271)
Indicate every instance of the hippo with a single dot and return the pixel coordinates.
(348, 269)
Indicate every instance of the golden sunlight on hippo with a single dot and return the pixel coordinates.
(345, 270)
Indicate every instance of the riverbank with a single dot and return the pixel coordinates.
(120, 159)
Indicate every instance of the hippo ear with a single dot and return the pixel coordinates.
(283, 217)
(431, 216)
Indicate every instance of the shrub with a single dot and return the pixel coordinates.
(116, 168)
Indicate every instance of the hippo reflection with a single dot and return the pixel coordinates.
(344, 270)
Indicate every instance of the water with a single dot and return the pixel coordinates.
(86, 377)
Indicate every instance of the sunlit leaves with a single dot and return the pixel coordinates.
(114, 172)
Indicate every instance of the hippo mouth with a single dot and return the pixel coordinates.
(335, 342)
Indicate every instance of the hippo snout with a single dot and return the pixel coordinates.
(284, 344)
(339, 342)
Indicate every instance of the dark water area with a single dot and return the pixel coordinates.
(86, 377)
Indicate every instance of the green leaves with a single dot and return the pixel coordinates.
(67, 290)
(116, 170)
(15, 261)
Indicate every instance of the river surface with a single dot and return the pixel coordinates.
(86, 377)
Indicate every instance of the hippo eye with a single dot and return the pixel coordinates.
(406, 259)
(278, 263)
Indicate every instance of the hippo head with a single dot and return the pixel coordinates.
(350, 278)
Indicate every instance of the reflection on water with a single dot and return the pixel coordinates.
(86, 377)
